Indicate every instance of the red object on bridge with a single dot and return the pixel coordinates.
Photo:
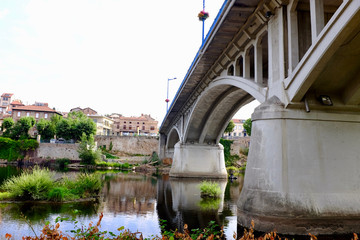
(167, 100)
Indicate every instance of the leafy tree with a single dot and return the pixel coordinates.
(87, 150)
(6, 126)
(247, 126)
(21, 128)
(74, 126)
(230, 127)
(46, 129)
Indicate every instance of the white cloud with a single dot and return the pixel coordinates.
(4, 13)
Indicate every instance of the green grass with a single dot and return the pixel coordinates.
(39, 184)
(115, 165)
(30, 185)
(210, 189)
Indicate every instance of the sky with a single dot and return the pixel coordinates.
(114, 56)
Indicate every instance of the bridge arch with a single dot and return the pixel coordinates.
(217, 104)
(173, 138)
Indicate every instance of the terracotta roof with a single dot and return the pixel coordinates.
(17, 103)
(35, 109)
(7, 95)
(238, 120)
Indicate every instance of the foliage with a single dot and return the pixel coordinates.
(28, 144)
(7, 125)
(154, 159)
(12, 149)
(109, 156)
(110, 146)
(46, 129)
(39, 184)
(93, 232)
(247, 126)
(62, 162)
(87, 150)
(210, 189)
(229, 159)
(230, 127)
(30, 185)
(74, 126)
(20, 129)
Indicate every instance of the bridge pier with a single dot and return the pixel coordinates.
(303, 165)
(198, 160)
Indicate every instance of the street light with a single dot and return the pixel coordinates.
(167, 93)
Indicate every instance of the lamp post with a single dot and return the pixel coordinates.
(167, 94)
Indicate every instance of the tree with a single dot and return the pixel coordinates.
(6, 126)
(247, 126)
(21, 128)
(230, 127)
(46, 129)
(87, 150)
(74, 126)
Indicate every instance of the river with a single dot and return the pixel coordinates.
(133, 200)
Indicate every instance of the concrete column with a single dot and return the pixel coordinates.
(198, 160)
(301, 164)
(162, 146)
(247, 63)
(317, 18)
(258, 61)
(293, 36)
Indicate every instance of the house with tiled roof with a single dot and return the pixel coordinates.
(5, 101)
(142, 125)
(38, 112)
(87, 111)
(238, 130)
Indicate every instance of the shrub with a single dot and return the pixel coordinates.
(87, 152)
(87, 185)
(244, 151)
(210, 189)
(30, 185)
(58, 194)
(62, 162)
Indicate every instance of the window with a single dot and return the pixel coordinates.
(234, 134)
(27, 114)
(129, 122)
(143, 122)
(130, 127)
(143, 127)
(152, 128)
(137, 122)
(118, 126)
(37, 115)
(124, 121)
(18, 114)
(124, 127)
(46, 116)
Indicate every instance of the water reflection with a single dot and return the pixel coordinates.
(135, 201)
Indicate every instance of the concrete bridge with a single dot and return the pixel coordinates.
(301, 60)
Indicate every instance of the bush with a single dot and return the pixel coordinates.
(62, 162)
(58, 194)
(210, 189)
(86, 185)
(30, 185)
(87, 152)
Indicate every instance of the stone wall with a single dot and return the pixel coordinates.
(132, 145)
(58, 150)
(240, 143)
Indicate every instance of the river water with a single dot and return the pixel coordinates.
(133, 200)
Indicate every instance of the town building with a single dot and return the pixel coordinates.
(144, 125)
(238, 130)
(104, 124)
(36, 111)
(5, 101)
(87, 111)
